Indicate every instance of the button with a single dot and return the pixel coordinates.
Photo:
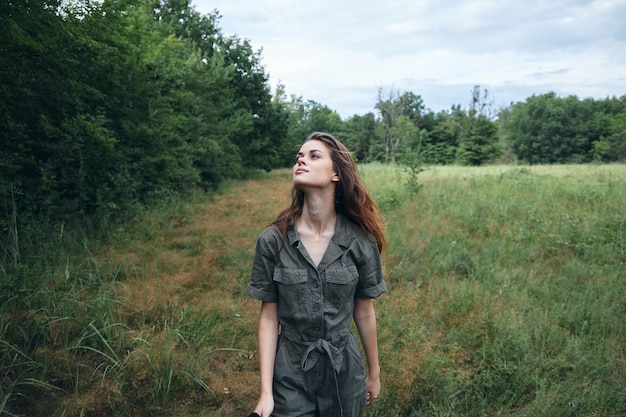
(316, 284)
(316, 308)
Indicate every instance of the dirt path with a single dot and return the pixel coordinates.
(193, 269)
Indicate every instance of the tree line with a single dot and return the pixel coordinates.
(108, 106)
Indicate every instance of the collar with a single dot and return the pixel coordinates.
(343, 235)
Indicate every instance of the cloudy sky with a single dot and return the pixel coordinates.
(340, 52)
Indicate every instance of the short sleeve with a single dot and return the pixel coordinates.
(262, 286)
(371, 279)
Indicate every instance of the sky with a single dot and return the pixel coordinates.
(340, 53)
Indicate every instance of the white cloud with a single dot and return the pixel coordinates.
(339, 52)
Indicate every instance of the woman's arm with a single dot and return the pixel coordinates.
(268, 339)
(365, 319)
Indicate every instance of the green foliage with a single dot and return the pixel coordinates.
(305, 118)
(131, 102)
(359, 133)
(479, 145)
(549, 129)
(468, 137)
(442, 140)
(401, 116)
(414, 167)
(612, 146)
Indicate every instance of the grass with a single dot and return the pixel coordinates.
(517, 276)
(507, 297)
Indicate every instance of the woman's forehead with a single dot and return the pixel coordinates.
(314, 145)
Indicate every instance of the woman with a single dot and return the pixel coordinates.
(317, 267)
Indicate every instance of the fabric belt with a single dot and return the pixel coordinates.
(316, 348)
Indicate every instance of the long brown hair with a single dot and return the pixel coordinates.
(351, 196)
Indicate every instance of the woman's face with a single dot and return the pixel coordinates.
(314, 166)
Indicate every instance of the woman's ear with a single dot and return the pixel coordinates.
(335, 178)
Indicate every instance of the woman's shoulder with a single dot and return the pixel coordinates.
(270, 233)
(354, 231)
(271, 237)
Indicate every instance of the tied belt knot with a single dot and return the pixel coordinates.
(315, 349)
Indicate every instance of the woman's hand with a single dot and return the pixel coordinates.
(265, 406)
(372, 387)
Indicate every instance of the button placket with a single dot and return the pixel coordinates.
(317, 303)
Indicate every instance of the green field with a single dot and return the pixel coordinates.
(507, 296)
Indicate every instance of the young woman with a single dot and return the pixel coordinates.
(316, 268)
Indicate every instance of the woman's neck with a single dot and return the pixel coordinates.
(318, 214)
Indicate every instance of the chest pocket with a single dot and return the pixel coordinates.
(293, 293)
(342, 276)
(340, 287)
(290, 276)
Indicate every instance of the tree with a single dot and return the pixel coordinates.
(480, 145)
(612, 147)
(391, 108)
(260, 124)
(52, 125)
(258, 141)
(478, 142)
(481, 103)
(408, 138)
(441, 142)
(108, 106)
(549, 129)
(306, 117)
(359, 133)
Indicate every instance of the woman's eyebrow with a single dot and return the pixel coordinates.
(310, 151)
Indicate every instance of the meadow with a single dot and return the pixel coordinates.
(507, 297)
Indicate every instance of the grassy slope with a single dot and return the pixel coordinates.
(507, 292)
(507, 296)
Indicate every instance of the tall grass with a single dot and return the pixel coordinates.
(507, 292)
(507, 297)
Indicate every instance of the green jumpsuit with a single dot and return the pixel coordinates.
(318, 370)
